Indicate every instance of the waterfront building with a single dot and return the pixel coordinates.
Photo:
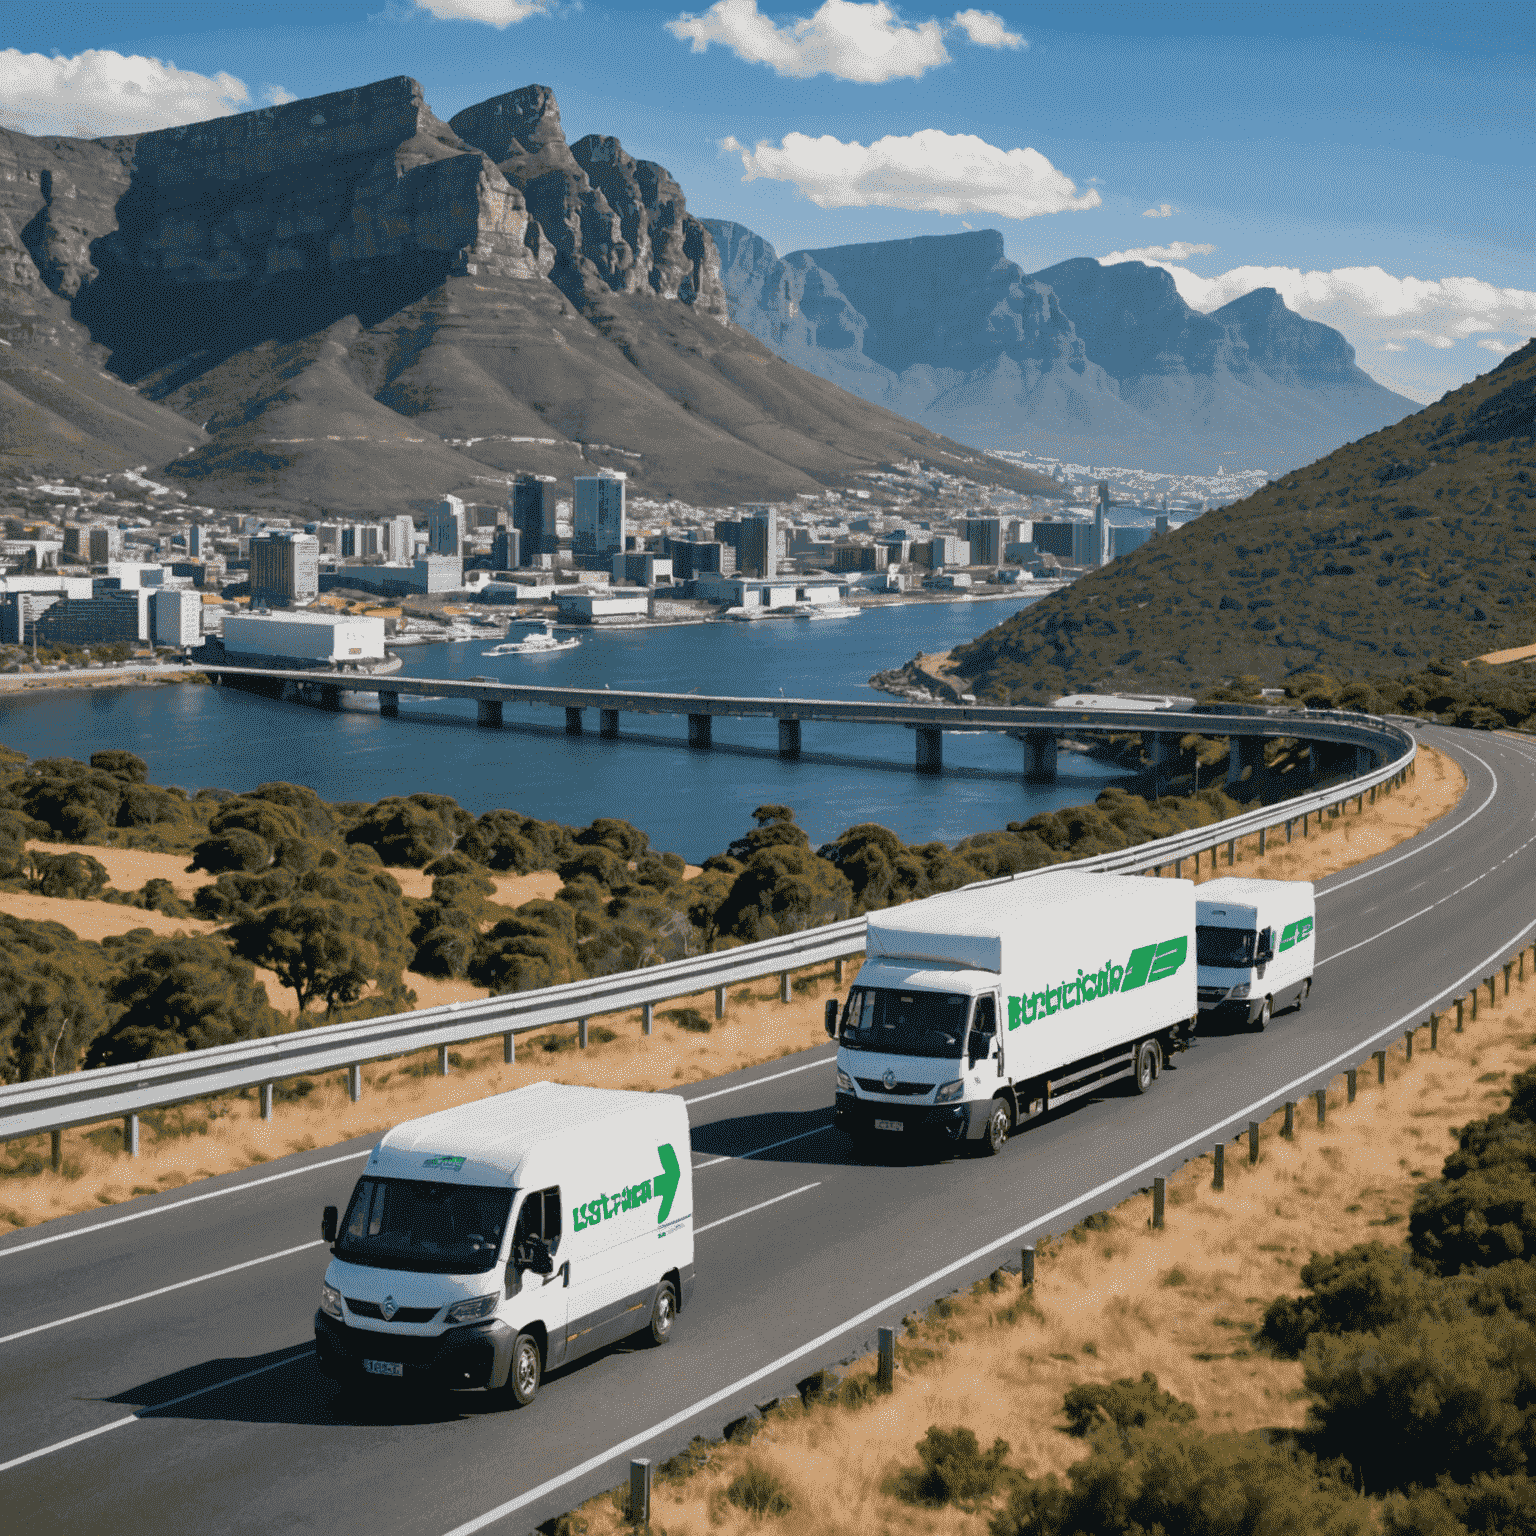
(532, 508)
(398, 543)
(446, 527)
(105, 619)
(307, 637)
(599, 515)
(176, 617)
(758, 552)
(985, 536)
(285, 568)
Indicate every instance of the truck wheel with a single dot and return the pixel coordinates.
(999, 1123)
(527, 1369)
(1304, 994)
(1265, 1014)
(663, 1313)
(1149, 1060)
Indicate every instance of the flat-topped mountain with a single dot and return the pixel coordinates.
(346, 303)
(1086, 362)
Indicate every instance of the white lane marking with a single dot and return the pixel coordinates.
(1417, 848)
(720, 1093)
(164, 1290)
(133, 1418)
(736, 1157)
(888, 1306)
(176, 1205)
(763, 1205)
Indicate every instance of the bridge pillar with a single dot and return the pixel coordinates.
(700, 730)
(1244, 752)
(1161, 748)
(1040, 749)
(608, 723)
(488, 712)
(789, 738)
(572, 721)
(389, 704)
(930, 748)
(330, 696)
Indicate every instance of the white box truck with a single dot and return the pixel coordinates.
(979, 1009)
(1256, 945)
(487, 1244)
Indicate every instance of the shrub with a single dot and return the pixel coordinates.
(689, 1019)
(1362, 1289)
(1487, 1506)
(759, 1491)
(954, 1469)
(71, 875)
(1127, 1403)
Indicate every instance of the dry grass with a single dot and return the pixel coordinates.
(200, 1141)
(128, 868)
(1119, 1299)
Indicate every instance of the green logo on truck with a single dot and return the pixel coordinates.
(1152, 962)
(660, 1186)
(1294, 933)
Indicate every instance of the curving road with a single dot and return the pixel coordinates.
(157, 1368)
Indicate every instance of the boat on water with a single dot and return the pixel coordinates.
(542, 642)
(826, 611)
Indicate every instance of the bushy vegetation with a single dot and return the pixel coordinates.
(1408, 548)
(953, 1468)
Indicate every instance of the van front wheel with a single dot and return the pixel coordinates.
(1149, 1060)
(999, 1123)
(527, 1368)
(663, 1313)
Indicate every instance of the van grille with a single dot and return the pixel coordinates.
(373, 1310)
(899, 1090)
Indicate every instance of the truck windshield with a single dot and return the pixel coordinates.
(905, 1023)
(444, 1229)
(1229, 947)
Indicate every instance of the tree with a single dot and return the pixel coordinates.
(51, 1004)
(75, 876)
(312, 947)
(783, 887)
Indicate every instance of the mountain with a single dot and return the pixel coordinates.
(1410, 548)
(1094, 364)
(345, 303)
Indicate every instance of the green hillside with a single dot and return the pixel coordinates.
(1411, 547)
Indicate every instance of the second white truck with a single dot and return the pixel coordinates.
(979, 1009)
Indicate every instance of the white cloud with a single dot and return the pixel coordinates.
(929, 171)
(1162, 211)
(987, 30)
(1501, 347)
(99, 93)
(494, 13)
(277, 96)
(1393, 346)
(1175, 250)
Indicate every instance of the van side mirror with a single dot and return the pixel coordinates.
(1266, 947)
(537, 1258)
(831, 1017)
(328, 1224)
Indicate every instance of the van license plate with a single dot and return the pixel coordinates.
(889, 1125)
(383, 1367)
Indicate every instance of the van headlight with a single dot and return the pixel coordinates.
(474, 1309)
(844, 1082)
(949, 1092)
(1241, 991)
(330, 1301)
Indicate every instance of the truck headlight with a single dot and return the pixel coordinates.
(844, 1082)
(474, 1309)
(330, 1301)
(1241, 991)
(949, 1092)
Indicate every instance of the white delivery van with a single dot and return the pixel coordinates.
(981, 1008)
(1256, 945)
(487, 1244)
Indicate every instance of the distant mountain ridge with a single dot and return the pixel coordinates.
(1086, 362)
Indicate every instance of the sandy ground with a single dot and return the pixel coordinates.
(128, 869)
(229, 1135)
(95, 920)
(1114, 1302)
(1518, 653)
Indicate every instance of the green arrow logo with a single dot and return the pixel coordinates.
(665, 1184)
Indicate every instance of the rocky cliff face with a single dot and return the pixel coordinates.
(1092, 363)
(611, 220)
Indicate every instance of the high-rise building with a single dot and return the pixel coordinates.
(195, 540)
(506, 549)
(176, 617)
(598, 525)
(532, 505)
(985, 536)
(106, 544)
(446, 526)
(285, 568)
(399, 541)
(758, 554)
(1101, 526)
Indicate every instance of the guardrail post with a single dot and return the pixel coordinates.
(640, 1492)
(647, 1018)
(1290, 1121)
(1349, 1077)
(1434, 1031)
(1027, 1266)
(266, 1101)
(1262, 832)
(355, 1081)
(1322, 1107)
(1509, 966)
(1219, 1174)
(1178, 869)
(1253, 1142)
(509, 1048)
(581, 1033)
(56, 1150)
(719, 1003)
(1407, 1045)
(1304, 823)
(1458, 1015)
(1231, 852)
(1381, 1066)
(442, 1061)
(131, 1135)
(1288, 825)
(1474, 1005)
(885, 1373)
(784, 992)
(1197, 864)
(1159, 1195)
(1491, 982)
(837, 971)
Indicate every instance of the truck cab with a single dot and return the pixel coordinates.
(1255, 947)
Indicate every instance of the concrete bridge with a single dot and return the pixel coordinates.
(1038, 729)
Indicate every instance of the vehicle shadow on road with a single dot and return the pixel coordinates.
(807, 1137)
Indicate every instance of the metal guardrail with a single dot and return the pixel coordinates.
(104, 1093)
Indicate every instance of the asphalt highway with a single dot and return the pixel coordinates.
(157, 1365)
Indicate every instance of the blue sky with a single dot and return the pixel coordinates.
(1371, 161)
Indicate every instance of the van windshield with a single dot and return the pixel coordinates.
(1229, 947)
(443, 1229)
(905, 1023)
